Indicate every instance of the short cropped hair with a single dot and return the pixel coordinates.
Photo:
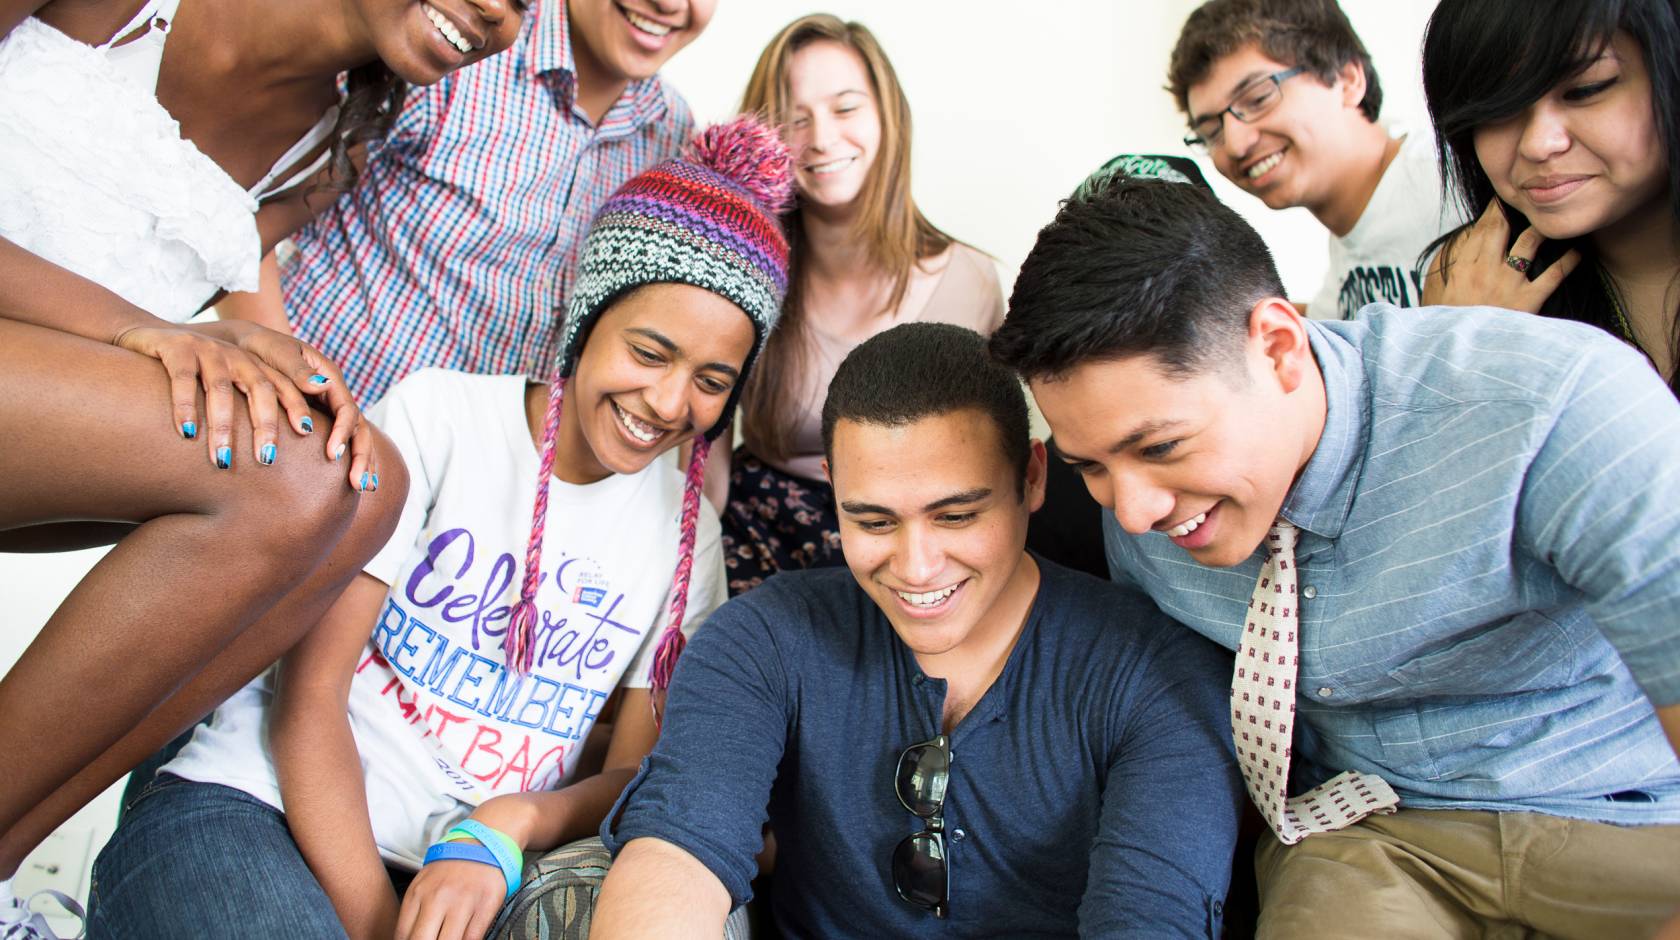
(1137, 266)
(923, 370)
(1314, 34)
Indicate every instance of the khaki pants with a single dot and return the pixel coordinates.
(1466, 873)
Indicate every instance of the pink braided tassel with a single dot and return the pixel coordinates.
(672, 641)
(519, 642)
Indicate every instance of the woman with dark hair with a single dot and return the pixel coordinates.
(1559, 119)
(864, 259)
(153, 152)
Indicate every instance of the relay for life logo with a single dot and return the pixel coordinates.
(438, 647)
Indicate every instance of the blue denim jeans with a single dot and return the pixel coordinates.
(203, 860)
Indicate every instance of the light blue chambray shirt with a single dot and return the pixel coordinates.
(1489, 566)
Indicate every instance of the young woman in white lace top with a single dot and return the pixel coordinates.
(153, 152)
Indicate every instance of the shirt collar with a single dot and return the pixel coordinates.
(548, 40)
(548, 53)
(1323, 494)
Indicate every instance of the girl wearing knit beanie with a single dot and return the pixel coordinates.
(438, 717)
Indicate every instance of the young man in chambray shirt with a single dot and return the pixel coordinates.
(1488, 559)
(1090, 787)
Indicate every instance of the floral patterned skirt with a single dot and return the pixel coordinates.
(776, 521)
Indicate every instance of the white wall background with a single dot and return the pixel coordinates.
(1014, 103)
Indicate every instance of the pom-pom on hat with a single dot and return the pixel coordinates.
(708, 218)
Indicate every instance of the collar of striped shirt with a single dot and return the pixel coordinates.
(1323, 493)
(547, 52)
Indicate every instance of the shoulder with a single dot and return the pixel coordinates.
(673, 123)
(446, 390)
(1093, 614)
(1117, 634)
(788, 612)
(968, 293)
(1431, 357)
(802, 596)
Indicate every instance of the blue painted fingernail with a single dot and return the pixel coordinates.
(224, 458)
(318, 379)
(307, 424)
(365, 476)
(189, 429)
(266, 455)
(339, 452)
(376, 482)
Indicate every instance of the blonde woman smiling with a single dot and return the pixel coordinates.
(864, 259)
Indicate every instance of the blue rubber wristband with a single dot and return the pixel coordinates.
(501, 846)
(460, 852)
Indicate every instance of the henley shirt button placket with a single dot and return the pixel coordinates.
(1309, 592)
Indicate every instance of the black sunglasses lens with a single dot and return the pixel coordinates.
(923, 772)
(920, 873)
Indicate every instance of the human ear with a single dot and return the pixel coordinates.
(1352, 78)
(1038, 472)
(826, 474)
(1278, 337)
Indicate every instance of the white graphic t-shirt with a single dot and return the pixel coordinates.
(439, 720)
(1378, 259)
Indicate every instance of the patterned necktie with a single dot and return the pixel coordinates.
(1263, 712)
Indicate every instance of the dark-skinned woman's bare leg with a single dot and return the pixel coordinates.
(223, 571)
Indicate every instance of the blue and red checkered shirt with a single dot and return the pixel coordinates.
(456, 248)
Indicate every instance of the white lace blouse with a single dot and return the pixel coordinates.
(96, 178)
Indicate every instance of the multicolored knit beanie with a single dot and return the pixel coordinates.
(710, 219)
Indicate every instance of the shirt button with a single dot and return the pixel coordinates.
(1324, 692)
(1309, 592)
(917, 679)
(957, 835)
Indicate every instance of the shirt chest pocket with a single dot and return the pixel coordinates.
(1524, 653)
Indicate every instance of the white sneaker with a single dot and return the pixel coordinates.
(19, 922)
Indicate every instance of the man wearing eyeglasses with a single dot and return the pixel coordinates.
(1281, 94)
(952, 735)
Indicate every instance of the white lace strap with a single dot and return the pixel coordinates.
(317, 135)
(149, 11)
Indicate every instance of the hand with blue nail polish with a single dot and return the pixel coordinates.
(224, 458)
(189, 429)
(304, 375)
(266, 455)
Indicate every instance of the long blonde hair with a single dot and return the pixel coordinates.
(887, 223)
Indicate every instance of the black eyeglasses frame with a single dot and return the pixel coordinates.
(1201, 144)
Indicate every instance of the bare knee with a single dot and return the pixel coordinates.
(305, 509)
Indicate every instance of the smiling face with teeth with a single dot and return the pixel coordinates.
(656, 369)
(620, 41)
(1205, 459)
(833, 124)
(424, 41)
(933, 522)
(1304, 151)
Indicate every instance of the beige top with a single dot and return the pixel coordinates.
(967, 293)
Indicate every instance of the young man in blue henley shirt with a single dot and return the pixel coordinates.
(1066, 749)
(1487, 508)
